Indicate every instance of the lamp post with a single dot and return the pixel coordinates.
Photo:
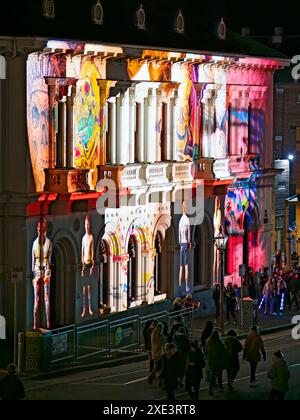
(221, 243)
(289, 240)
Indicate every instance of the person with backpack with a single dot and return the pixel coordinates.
(253, 349)
(194, 372)
(233, 348)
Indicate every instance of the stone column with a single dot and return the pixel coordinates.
(174, 102)
(150, 143)
(61, 138)
(159, 126)
(132, 124)
(51, 82)
(70, 127)
(113, 131)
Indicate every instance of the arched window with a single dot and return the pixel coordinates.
(132, 271)
(49, 9)
(158, 280)
(141, 18)
(103, 276)
(97, 13)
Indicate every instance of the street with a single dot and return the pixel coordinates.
(129, 382)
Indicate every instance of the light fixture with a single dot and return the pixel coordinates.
(221, 240)
(290, 157)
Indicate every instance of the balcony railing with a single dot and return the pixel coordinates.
(182, 172)
(156, 174)
(212, 169)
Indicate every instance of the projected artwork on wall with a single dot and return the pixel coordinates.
(41, 269)
(38, 110)
(87, 261)
(87, 118)
(184, 237)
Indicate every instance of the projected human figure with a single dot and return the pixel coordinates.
(185, 244)
(87, 259)
(217, 226)
(41, 268)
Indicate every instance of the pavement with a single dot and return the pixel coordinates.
(268, 325)
(129, 382)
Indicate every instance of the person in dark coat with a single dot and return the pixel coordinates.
(182, 343)
(207, 332)
(178, 323)
(216, 358)
(233, 348)
(11, 387)
(194, 373)
(170, 373)
(279, 375)
(149, 327)
(230, 299)
(253, 349)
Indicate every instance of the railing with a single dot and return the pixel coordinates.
(92, 340)
(96, 341)
(156, 173)
(124, 334)
(62, 345)
(221, 169)
(182, 171)
(132, 176)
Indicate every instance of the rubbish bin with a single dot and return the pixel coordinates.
(33, 351)
(37, 351)
(248, 313)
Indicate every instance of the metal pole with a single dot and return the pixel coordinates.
(15, 324)
(222, 293)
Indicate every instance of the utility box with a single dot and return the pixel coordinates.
(37, 351)
(248, 313)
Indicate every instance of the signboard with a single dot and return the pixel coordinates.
(242, 269)
(59, 344)
(17, 275)
(2, 328)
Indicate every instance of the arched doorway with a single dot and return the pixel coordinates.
(63, 284)
(132, 275)
(203, 256)
(158, 276)
(104, 291)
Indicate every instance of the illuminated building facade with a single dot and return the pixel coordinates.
(121, 143)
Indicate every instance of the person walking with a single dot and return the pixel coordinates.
(207, 332)
(182, 343)
(233, 348)
(11, 387)
(279, 375)
(170, 374)
(158, 342)
(215, 353)
(230, 298)
(178, 323)
(253, 349)
(294, 291)
(149, 327)
(194, 373)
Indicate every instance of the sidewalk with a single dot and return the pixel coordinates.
(267, 323)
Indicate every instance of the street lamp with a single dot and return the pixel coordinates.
(221, 243)
(289, 239)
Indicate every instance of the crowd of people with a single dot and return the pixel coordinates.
(275, 292)
(180, 363)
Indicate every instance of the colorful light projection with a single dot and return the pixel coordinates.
(39, 67)
(87, 118)
(248, 243)
(41, 269)
(88, 263)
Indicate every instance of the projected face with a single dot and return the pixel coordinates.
(38, 132)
